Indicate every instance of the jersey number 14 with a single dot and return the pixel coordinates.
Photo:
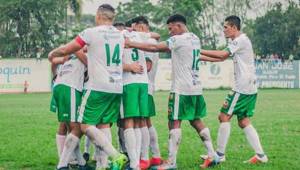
(115, 58)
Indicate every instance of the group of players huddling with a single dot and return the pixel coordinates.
(121, 64)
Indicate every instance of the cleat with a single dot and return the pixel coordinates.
(119, 163)
(155, 161)
(63, 168)
(166, 166)
(256, 160)
(144, 164)
(220, 159)
(207, 163)
(86, 156)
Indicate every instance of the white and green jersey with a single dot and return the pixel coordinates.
(71, 73)
(132, 55)
(105, 45)
(185, 55)
(153, 57)
(244, 67)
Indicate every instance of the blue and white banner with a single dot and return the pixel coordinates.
(278, 74)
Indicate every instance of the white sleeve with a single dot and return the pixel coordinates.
(171, 42)
(234, 46)
(84, 37)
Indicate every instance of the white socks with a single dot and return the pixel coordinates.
(253, 139)
(103, 158)
(60, 141)
(100, 140)
(70, 144)
(138, 137)
(154, 147)
(145, 143)
(130, 143)
(78, 155)
(205, 137)
(223, 136)
(174, 141)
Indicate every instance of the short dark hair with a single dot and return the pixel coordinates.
(128, 23)
(106, 7)
(140, 20)
(119, 24)
(234, 20)
(176, 18)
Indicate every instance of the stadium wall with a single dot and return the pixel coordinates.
(270, 74)
(21, 75)
(17, 74)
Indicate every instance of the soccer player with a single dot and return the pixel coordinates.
(67, 93)
(104, 88)
(185, 101)
(241, 100)
(119, 25)
(135, 95)
(149, 134)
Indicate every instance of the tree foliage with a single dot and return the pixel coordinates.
(277, 32)
(30, 25)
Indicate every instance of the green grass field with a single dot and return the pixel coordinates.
(27, 139)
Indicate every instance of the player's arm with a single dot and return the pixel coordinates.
(159, 47)
(221, 54)
(56, 61)
(211, 59)
(67, 49)
(154, 35)
(81, 56)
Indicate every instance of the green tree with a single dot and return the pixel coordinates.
(277, 32)
(27, 25)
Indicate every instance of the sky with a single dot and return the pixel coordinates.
(90, 6)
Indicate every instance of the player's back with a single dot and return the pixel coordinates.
(71, 73)
(244, 67)
(185, 53)
(105, 45)
(132, 55)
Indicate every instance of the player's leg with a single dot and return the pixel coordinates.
(62, 127)
(87, 144)
(246, 104)
(61, 137)
(130, 116)
(195, 109)
(174, 132)
(204, 134)
(144, 158)
(130, 142)
(225, 127)
(121, 140)
(72, 100)
(97, 102)
(138, 136)
(101, 156)
(223, 135)
(154, 147)
(173, 145)
(145, 138)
